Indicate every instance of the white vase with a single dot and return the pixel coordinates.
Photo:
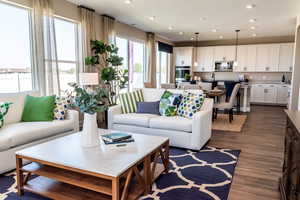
(89, 134)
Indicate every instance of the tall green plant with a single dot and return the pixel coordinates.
(105, 56)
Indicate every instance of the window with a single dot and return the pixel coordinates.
(67, 52)
(162, 68)
(15, 47)
(134, 60)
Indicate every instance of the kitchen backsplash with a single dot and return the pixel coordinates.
(252, 76)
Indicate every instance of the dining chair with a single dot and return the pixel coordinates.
(228, 106)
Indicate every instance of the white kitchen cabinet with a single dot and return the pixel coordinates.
(283, 94)
(205, 58)
(183, 56)
(257, 93)
(222, 53)
(273, 60)
(286, 57)
(251, 58)
(262, 58)
(241, 58)
(270, 94)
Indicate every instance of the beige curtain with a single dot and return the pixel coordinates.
(88, 33)
(172, 69)
(109, 35)
(44, 47)
(151, 60)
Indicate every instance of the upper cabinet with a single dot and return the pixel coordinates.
(183, 56)
(205, 58)
(222, 53)
(251, 58)
(286, 56)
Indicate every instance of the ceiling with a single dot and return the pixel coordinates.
(273, 17)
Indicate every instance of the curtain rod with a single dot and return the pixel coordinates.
(90, 9)
(108, 16)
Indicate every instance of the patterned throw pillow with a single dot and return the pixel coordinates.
(4, 106)
(169, 103)
(129, 101)
(61, 106)
(190, 104)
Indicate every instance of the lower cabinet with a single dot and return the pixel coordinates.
(270, 93)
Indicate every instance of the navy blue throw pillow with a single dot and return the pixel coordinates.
(148, 107)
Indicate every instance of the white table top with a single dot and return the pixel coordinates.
(110, 161)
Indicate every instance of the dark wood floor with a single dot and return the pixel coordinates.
(259, 165)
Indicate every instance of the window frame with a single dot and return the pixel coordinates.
(34, 87)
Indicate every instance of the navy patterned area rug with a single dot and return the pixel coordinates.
(202, 175)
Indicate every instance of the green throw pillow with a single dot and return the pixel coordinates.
(129, 101)
(4, 106)
(190, 104)
(169, 103)
(38, 108)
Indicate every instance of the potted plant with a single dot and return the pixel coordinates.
(106, 60)
(89, 101)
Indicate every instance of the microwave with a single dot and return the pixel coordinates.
(224, 66)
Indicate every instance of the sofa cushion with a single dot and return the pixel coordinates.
(136, 119)
(171, 123)
(15, 134)
(152, 94)
(61, 107)
(190, 104)
(129, 100)
(38, 108)
(169, 103)
(4, 106)
(148, 107)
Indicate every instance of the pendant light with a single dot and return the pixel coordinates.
(196, 49)
(235, 63)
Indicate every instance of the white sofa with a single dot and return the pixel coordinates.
(182, 132)
(16, 135)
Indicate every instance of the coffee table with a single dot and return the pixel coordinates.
(67, 171)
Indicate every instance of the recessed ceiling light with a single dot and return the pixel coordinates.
(170, 28)
(128, 1)
(221, 37)
(192, 38)
(202, 18)
(152, 18)
(252, 27)
(250, 6)
(180, 33)
(252, 20)
(254, 35)
(214, 30)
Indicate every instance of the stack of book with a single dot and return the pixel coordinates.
(117, 138)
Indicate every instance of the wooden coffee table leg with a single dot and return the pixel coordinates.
(20, 177)
(116, 189)
(167, 153)
(147, 174)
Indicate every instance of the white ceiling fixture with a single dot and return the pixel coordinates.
(250, 6)
(221, 37)
(274, 17)
(253, 20)
(214, 30)
(252, 27)
(180, 33)
(254, 35)
(128, 1)
(192, 38)
(170, 28)
(152, 18)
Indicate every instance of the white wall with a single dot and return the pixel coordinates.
(295, 100)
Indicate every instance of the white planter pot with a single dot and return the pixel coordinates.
(89, 134)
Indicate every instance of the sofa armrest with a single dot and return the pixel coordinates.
(113, 110)
(202, 126)
(74, 116)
